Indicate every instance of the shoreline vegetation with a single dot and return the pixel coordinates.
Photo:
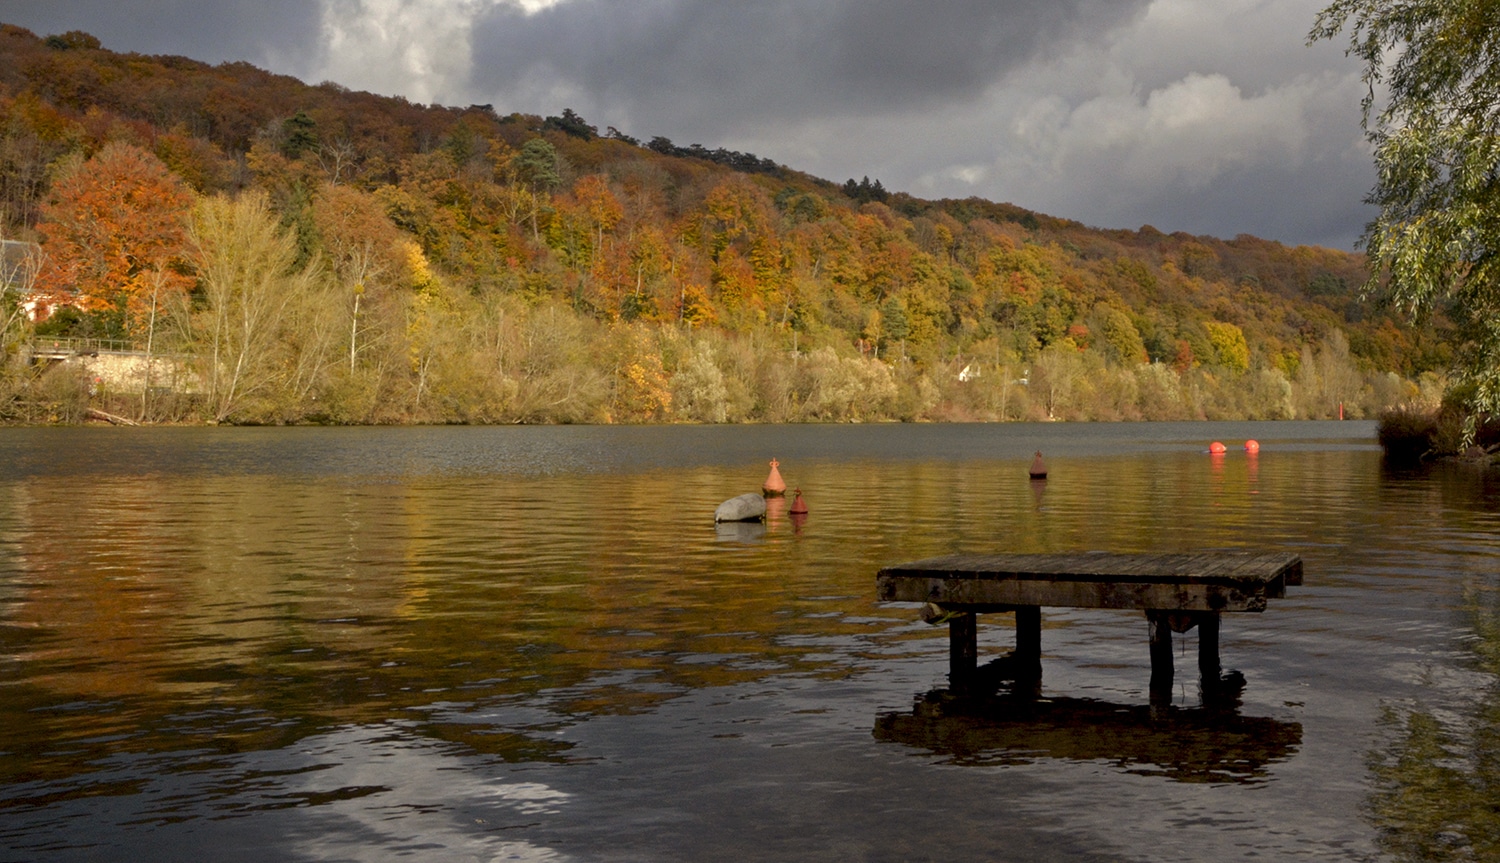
(268, 252)
(1411, 435)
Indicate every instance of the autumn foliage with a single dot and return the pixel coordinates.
(115, 230)
(356, 258)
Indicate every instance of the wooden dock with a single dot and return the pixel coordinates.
(1176, 591)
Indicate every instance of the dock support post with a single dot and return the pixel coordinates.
(1161, 654)
(1208, 649)
(1028, 642)
(963, 651)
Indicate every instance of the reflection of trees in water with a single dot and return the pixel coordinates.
(1437, 791)
(158, 611)
(1210, 744)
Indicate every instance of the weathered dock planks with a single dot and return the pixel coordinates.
(1176, 591)
(1223, 581)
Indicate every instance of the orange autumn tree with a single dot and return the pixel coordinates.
(115, 230)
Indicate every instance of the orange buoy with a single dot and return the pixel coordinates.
(1252, 446)
(1217, 448)
(799, 507)
(1038, 467)
(774, 486)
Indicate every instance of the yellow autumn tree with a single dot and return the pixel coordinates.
(1230, 348)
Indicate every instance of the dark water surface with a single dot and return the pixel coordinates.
(533, 644)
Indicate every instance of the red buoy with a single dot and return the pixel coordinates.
(1217, 447)
(1252, 446)
(774, 486)
(1038, 467)
(799, 507)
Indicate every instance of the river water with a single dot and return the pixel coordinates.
(533, 644)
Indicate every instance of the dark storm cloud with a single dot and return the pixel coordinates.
(1317, 203)
(258, 31)
(725, 62)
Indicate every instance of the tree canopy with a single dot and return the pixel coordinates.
(1433, 117)
(312, 253)
(115, 228)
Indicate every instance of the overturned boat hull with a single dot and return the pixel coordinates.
(746, 507)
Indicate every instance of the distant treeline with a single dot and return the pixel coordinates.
(317, 254)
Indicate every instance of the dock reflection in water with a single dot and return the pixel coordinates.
(1200, 744)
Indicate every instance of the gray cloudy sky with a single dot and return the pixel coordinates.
(1206, 116)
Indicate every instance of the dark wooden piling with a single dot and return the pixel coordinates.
(1160, 634)
(1028, 657)
(1208, 649)
(963, 651)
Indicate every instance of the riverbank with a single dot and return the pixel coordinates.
(696, 379)
(1412, 435)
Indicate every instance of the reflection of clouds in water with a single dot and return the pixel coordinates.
(425, 800)
(362, 793)
(531, 798)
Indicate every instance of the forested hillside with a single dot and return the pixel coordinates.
(321, 255)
